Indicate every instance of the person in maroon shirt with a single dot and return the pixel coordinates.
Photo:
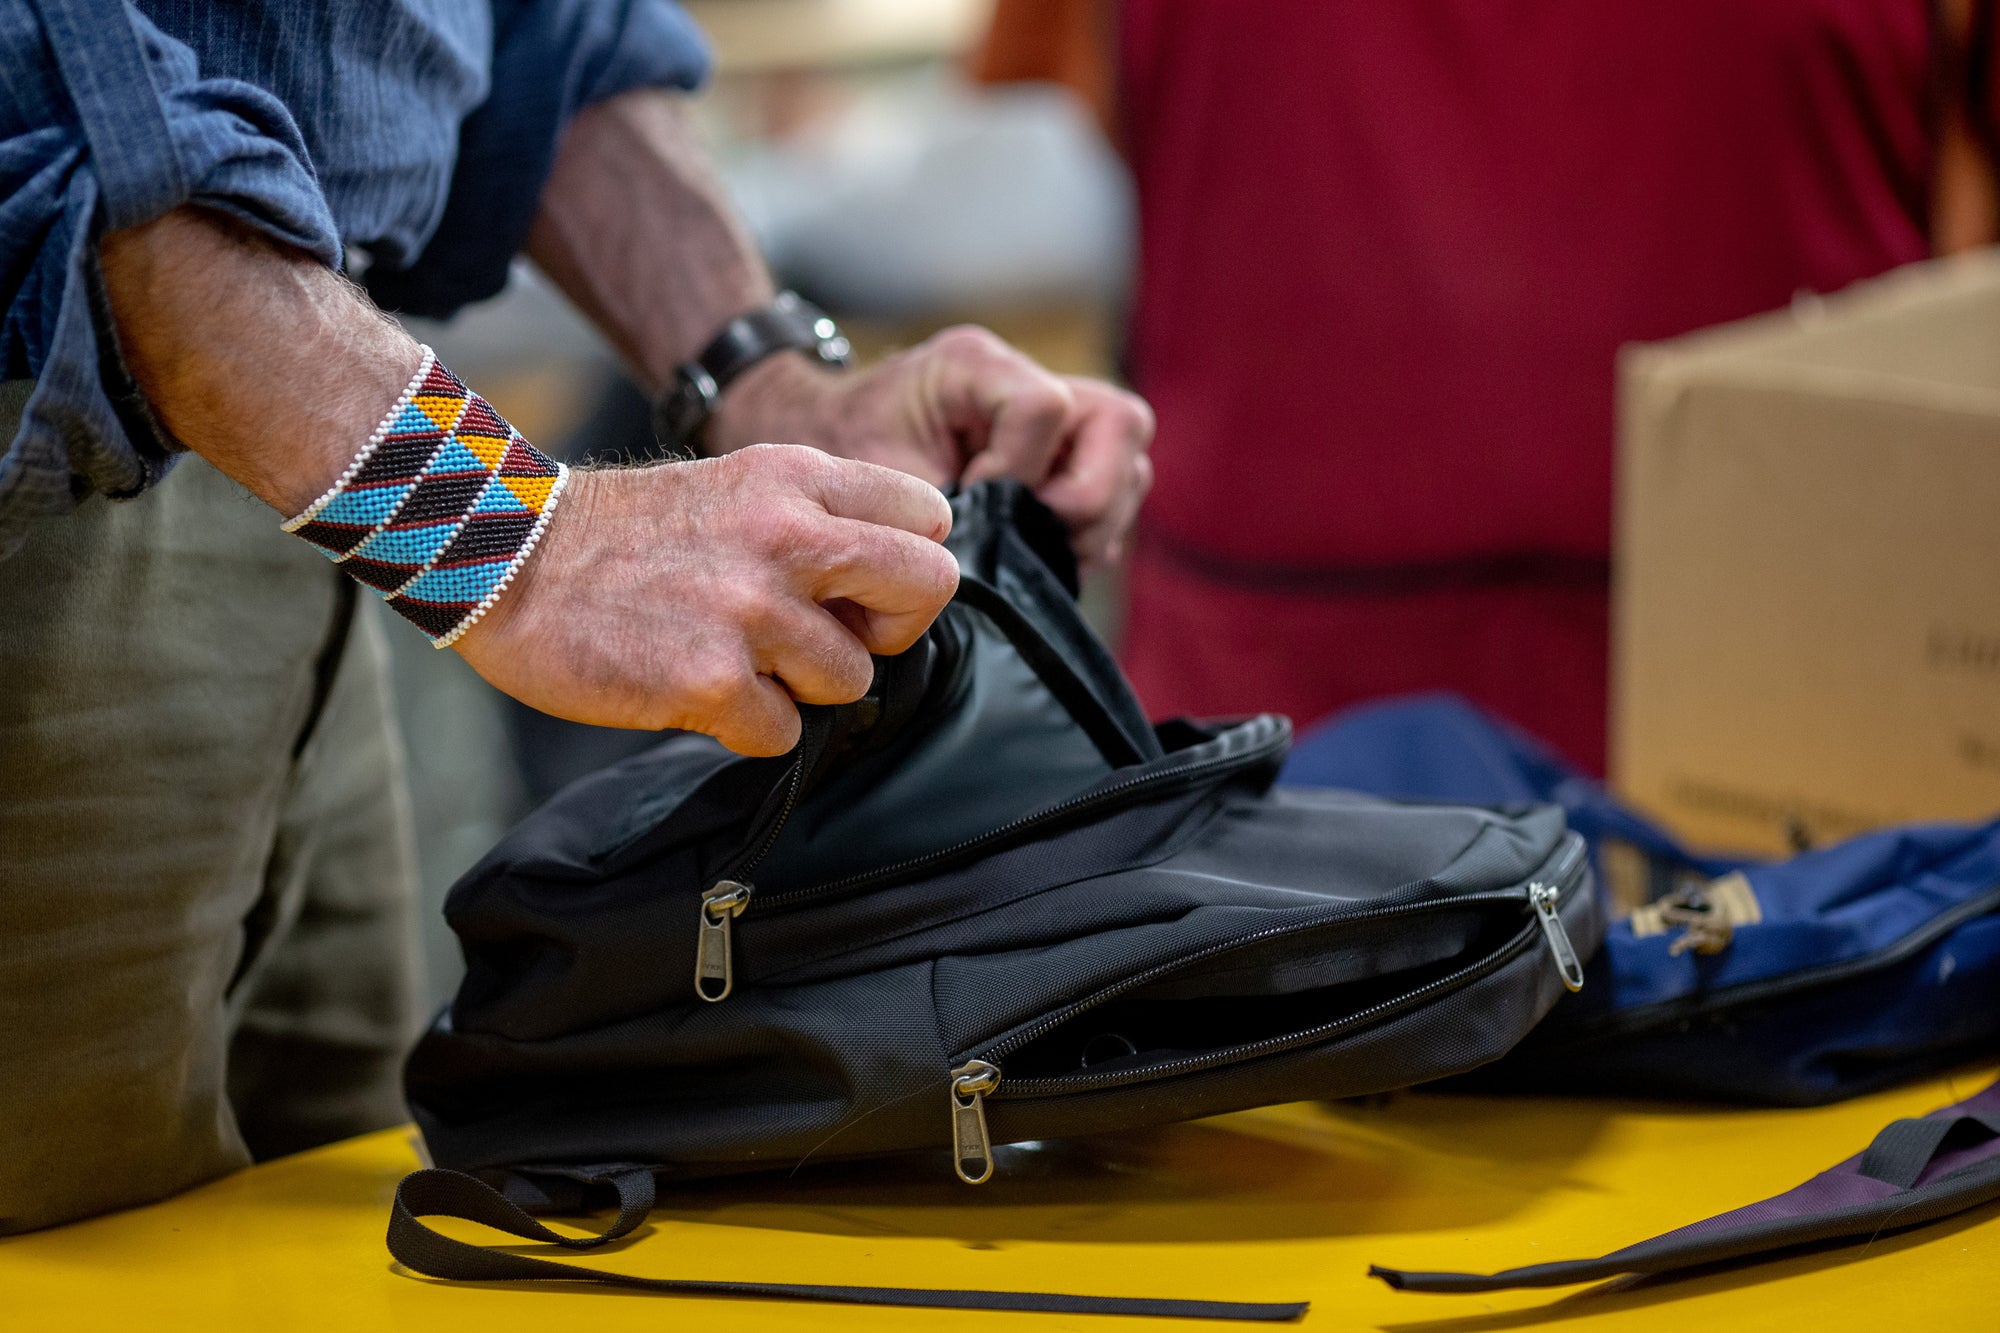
(1387, 253)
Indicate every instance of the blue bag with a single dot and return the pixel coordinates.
(1796, 982)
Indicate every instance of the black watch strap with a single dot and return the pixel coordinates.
(790, 323)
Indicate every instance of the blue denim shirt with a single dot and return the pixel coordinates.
(419, 131)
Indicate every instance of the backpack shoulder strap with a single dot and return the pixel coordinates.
(1915, 1171)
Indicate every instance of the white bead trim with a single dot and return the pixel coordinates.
(513, 568)
(381, 432)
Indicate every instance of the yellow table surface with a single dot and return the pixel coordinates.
(1287, 1203)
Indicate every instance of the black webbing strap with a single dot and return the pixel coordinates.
(1904, 1148)
(1100, 722)
(438, 1193)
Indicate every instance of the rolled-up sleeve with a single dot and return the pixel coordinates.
(550, 59)
(105, 123)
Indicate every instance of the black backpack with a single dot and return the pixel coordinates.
(985, 904)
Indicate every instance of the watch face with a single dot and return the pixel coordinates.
(789, 323)
(695, 387)
(834, 349)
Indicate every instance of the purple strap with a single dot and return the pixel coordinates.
(1915, 1171)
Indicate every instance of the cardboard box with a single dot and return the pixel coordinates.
(1807, 624)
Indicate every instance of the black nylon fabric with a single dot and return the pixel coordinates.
(1111, 887)
(453, 1194)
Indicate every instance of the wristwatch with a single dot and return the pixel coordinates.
(789, 323)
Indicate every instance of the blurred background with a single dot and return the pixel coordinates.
(1632, 370)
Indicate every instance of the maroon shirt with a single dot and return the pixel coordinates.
(1389, 249)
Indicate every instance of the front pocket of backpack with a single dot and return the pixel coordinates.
(1283, 988)
(1260, 998)
(1280, 989)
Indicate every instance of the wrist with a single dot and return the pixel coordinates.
(787, 398)
(579, 498)
(441, 508)
(747, 348)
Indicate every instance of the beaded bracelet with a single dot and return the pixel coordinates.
(441, 507)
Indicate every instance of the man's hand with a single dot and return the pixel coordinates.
(963, 406)
(711, 595)
(705, 595)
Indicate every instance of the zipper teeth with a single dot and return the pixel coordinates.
(795, 779)
(777, 824)
(1565, 876)
(1071, 806)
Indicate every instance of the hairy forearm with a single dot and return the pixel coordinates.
(255, 356)
(635, 229)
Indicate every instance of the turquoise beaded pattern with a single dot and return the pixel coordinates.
(441, 507)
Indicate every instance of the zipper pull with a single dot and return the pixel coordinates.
(971, 1150)
(1545, 897)
(712, 962)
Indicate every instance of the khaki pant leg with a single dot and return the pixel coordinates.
(163, 664)
(328, 1012)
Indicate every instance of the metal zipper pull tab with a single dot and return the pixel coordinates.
(971, 1150)
(1545, 898)
(714, 969)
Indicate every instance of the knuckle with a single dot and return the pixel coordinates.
(941, 573)
(849, 669)
(710, 685)
(780, 462)
(969, 339)
(828, 667)
(767, 731)
(815, 472)
(1143, 423)
(1095, 493)
(1047, 404)
(782, 531)
(802, 460)
(755, 458)
(776, 728)
(853, 547)
(756, 613)
(1039, 401)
